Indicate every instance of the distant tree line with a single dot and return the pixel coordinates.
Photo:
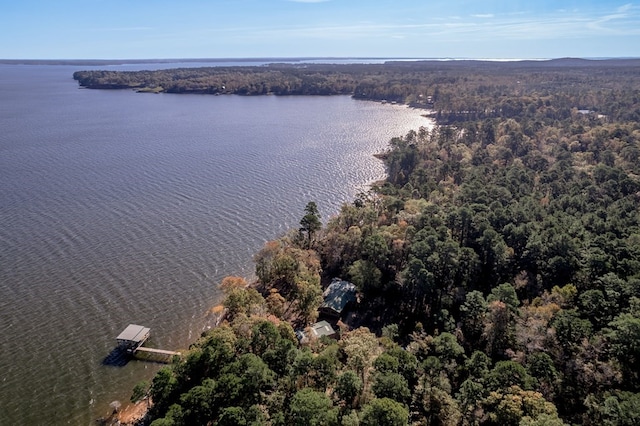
(456, 90)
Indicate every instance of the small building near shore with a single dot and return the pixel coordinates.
(337, 296)
(132, 337)
(316, 331)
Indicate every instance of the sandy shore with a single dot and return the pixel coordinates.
(132, 413)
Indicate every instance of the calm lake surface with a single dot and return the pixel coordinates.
(118, 208)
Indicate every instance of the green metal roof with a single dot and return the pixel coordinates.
(338, 294)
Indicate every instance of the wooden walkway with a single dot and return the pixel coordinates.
(156, 351)
(152, 354)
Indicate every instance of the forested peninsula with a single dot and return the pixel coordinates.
(496, 270)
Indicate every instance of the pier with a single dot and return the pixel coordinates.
(132, 339)
(156, 355)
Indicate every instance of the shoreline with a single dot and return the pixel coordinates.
(211, 317)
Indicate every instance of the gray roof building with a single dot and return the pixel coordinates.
(337, 296)
(317, 330)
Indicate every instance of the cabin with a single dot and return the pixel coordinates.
(337, 296)
(133, 337)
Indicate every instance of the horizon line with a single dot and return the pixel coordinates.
(116, 61)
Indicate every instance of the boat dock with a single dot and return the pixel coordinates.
(132, 339)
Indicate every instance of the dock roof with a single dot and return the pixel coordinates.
(134, 333)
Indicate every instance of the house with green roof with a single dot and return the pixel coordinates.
(336, 297)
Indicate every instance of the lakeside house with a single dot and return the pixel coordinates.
(337, 297)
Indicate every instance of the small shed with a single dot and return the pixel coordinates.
(321, 329)
(317, 330)
(133, 336)
(336, 297)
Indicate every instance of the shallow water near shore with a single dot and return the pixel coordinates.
(118, 207)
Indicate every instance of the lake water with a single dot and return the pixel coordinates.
(118, 208)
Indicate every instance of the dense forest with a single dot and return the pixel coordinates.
(497, 267)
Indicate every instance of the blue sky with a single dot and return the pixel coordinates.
(141, 29)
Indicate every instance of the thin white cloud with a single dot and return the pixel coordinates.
(625, 8)
(624, 17)
(122, 29)
(483, 15)
(520, 26)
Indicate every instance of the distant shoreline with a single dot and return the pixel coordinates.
(100, 62)
(417, 83)
(190, 60)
